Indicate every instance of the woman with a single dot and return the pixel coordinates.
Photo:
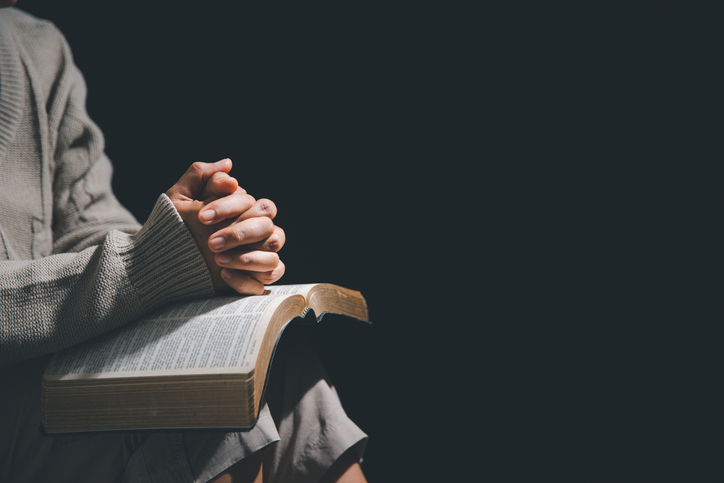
(74, 264)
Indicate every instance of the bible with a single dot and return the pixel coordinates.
(201, 364)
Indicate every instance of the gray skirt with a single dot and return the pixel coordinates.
(302, 425)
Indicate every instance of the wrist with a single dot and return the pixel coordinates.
(162, 259)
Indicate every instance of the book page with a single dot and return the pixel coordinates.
(219, 335)
(302, 290)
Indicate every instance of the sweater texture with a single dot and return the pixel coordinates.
(73, 262)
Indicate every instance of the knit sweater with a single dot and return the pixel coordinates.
(73, 262)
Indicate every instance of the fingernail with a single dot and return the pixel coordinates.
(223, 259)
(226, 273)
(207, 215)
(217, 243)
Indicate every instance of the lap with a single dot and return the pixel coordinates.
(306, 427)
(147, 456)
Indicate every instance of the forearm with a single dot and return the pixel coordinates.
(53, 303)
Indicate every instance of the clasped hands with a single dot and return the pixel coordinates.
(234, 231)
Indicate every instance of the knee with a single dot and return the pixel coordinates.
(248, 470)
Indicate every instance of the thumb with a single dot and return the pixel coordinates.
(191, 184)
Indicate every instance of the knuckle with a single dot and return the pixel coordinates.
(273, 244)
(267, 207)
(238, 232)
(276, 241)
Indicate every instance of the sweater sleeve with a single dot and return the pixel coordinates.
(103, 269)
(58, 301)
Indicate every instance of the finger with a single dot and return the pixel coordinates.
(269, 277)
(191, 184)
(241, 233)
(242, 282)
(251, 261)
(227, 207)
(272, 244)
(220, 184)
(262, 207)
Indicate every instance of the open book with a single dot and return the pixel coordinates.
(159, 372)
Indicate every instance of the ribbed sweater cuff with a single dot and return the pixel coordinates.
(162, 259)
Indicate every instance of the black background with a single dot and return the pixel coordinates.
(556, 163)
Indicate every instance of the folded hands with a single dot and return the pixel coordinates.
(235, 232)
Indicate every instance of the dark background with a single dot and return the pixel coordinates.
(552, 169)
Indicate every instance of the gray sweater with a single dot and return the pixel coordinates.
(73, 262)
